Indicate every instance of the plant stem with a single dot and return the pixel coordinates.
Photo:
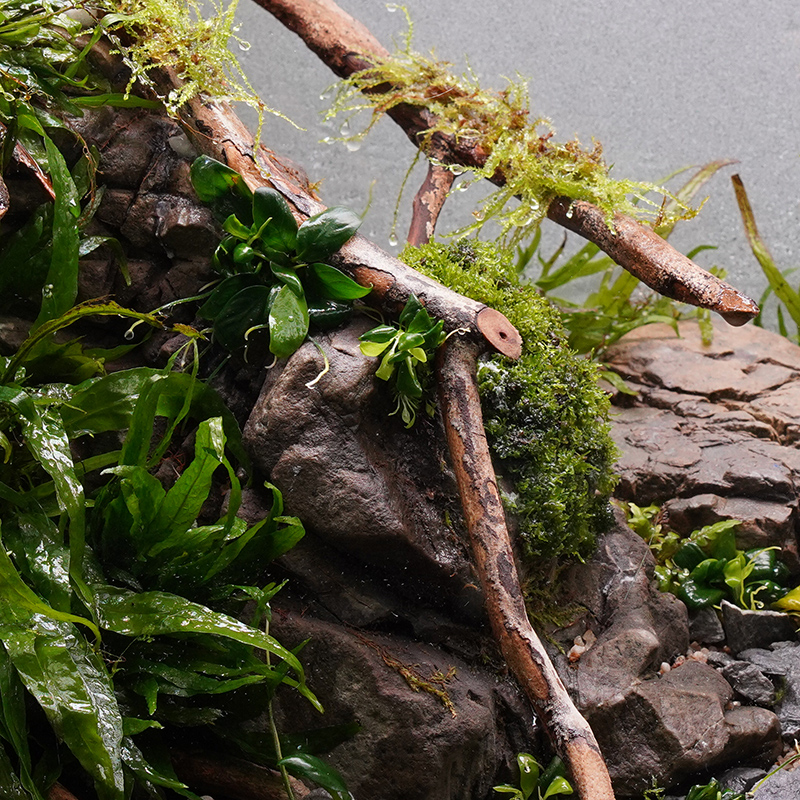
(273, 728)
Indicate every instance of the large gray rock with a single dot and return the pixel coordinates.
(746, 629)
(637, 627)
(412, 744)
(783, 785)
(782, 664)
(359, 480)
(714, 432)
(677, 725)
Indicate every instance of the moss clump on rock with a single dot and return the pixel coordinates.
(546, 418)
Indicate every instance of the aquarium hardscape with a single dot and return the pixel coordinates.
(383, 587)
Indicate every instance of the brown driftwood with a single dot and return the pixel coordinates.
(58, 792)
(494, 560)
(232, 777)
(429, 201)
(346, 46)
(220, 134)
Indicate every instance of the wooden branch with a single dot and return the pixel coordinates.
(218, 132)
(641, 251)
(231, 777)
(346, 46)
(58, 792)
(428, 202)
(493, 557)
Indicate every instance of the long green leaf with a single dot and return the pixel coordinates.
(13, 729)
(73, 687)
(184, 500)
(61, 284)
(22, 602)
(783, 291)
(154, 613)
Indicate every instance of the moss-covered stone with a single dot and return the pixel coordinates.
(546, 418)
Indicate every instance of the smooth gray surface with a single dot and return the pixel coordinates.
(661, 85)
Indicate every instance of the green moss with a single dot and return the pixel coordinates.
(546, 418)
(535, 167)
(175, 34)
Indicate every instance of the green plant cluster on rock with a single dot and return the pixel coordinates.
(545, 416)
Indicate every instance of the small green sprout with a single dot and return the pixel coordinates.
(405, 351)
(274, 273)
(545, 784)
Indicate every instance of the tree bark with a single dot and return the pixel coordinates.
(346, 46)
(428, 203)
(494, 560)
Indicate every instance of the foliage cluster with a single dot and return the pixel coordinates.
(545, 783)
(275, 278)
(405, 351)
(706, 567)
(114, 592)
(545, 416)
(535, 168)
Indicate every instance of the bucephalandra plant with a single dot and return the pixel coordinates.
(535, 167)
(535, 783)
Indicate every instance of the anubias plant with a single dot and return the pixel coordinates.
(275, 279)
(405, 351)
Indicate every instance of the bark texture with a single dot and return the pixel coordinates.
(494, 561)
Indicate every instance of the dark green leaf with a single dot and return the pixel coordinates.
(288, 276)
(224, 291)
(410, 311)
(235, 228)
(115, 100)
(61, 283)
(335, 285)
(212, 180)
(323, 234)
(407, 381)
(182, 504)
(327, 314)
(274, 221)
(379, 334)
(71, 684)
(155, 613)
(288, 323)
(308, 767)
(245, 310)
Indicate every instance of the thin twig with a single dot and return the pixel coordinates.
(428, 203)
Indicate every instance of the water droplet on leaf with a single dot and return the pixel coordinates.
(353, 144)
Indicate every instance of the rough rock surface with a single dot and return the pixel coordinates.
(362, 483)
(411, 745)
(745, 629)
(784, 785)
(782, 664)
(715, 430)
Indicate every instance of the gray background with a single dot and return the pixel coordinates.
(661, 85)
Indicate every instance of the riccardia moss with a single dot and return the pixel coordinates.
(546, 418)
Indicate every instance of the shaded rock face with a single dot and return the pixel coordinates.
(362, 483)
(411, 746)
(715, 431)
